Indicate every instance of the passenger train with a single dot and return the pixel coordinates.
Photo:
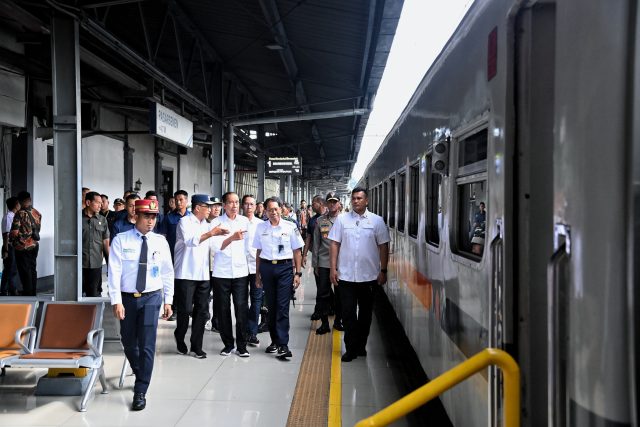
(532, 110)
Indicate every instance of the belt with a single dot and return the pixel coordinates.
(277, 261)
(138, 294)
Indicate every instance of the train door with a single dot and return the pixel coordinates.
(590, 310)
(534, 30)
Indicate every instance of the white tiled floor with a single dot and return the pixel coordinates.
(225, 391)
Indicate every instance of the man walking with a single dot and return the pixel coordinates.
(230, 275)
(8, 284)
(126, 221)
(24, 236)
(321, 266)
(140, 274)
(95, 244)
(256, 294)
(191, 266)
(359, 257)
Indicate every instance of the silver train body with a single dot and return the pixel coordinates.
(532, 108)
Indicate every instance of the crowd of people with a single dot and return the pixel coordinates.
(190, 262)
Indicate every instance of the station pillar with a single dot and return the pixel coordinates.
(260, 177)
(289, 189)
(217, 160)
(67, 134)
(283, 188)
(230, 159)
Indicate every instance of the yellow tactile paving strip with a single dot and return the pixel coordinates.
(310, 406)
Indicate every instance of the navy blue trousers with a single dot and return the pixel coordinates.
(277, 282)
(357, 312)
(253, 313)
(138, 332)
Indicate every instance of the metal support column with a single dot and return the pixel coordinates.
(230, 159)
(283, 187)
(261, 177)
(65, 69)
(157, 175)
(289, 189)
(128, 159)
(217, 160)
(295, 199)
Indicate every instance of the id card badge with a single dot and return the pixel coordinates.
(155, 271)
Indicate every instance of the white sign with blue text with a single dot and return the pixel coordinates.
(166, 124)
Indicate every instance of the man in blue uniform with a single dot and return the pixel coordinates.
(140, 273)
(278, 244)
(126, 221)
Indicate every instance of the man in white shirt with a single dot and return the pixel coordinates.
(359, 256)
(191, 264)
(9, 272)
(256, 294)
(230, 275)
(140, 274)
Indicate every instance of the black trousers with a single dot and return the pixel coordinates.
(8, 284)
(26, 263)
(326, 300)
(191, 296)
(138, 331)
(357, 311)
(223, 290)
(91, 281)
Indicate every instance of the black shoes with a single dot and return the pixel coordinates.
(199, 354)
(253, 341)
(226, 351)
(263, 327)
(283, 351)
(337, 325)
(348, 357)
(271, 349)
(242, 352)
(323, 329)
(172, 318)
(182, 347)
(139, 402)
(315, 316)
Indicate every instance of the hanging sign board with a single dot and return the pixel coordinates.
(284, 166)
(166, 124)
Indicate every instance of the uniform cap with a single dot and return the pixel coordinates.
(216, 200)
(332, 196)
(200, 199)
(147, 206)
(118, 202)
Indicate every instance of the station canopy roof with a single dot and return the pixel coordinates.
(228, 61)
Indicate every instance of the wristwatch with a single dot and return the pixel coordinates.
(299, 273)
(383, 270)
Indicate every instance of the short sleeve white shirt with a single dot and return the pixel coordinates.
(191, 258)
(7, 221)
(251, 251)
(230, 262)
(359, 237)
(124, 260)
(277, 242)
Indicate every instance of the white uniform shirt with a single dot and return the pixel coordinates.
(359, 237)
(124, 258)
(191, 259)
(277, 242)
(230, 262)
(7, 221)
(251, 251)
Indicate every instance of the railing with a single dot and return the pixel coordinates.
(444, 382)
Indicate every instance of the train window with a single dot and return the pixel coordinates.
(472, 218)
(434, 206)
(372, 205)
(392, 203)
(401, 201)
(414, 201)
(472, 149)
(384, 202)
(380, 200)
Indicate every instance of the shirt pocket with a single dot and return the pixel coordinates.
(130, 254)
(99, 232)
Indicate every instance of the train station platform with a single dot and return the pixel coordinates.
(224, 391)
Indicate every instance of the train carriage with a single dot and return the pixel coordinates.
(529, 111)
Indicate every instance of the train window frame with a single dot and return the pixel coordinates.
(392, 202)
(465, 175)
(402, 201)
(414, 200)
(385, 206)
(372, 206)
(380, 199)
(433, 206)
